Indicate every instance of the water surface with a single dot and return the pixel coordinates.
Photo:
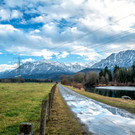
(124, 88)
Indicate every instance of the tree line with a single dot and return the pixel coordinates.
(117, 76)
(22, 80)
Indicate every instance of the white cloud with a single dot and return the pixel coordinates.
(13, 38)
(14, 3)
(74, 26)
(4, 67)
(89, 54)
(7, 14)
(16, 14)
(28, 60)
(63, 55)
(41, 19)
(7, 28)
(4, 14)
(45, 53)
(26, 51)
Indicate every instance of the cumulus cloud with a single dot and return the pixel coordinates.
(14, 39)
(88, 54)
(14, 3)
(7, 14)
(4, 14)
(45, 53)
(28, 60)
(25, 51)
(89, 28)
(5, 67)
(16, 14)
(63, 55)
(7, 28)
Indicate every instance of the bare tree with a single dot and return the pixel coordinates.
(91, 79)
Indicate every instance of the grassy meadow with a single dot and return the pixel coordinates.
(128, 105)
(21, 103)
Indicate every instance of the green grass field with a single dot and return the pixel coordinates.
(21, 103)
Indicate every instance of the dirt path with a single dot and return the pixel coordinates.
(63, 121)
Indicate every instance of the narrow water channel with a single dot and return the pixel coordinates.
(99, 118)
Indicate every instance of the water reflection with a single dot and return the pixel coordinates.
(113, 91)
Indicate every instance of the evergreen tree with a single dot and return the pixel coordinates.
(108, 73)
(101, 73)
(116, 68)
(133, 72)
(115, 73)
(122, 75)
(129, 75)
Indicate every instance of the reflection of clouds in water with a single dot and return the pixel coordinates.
(117, 88)
(99, 118)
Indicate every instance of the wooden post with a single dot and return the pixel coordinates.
(52, 98)
(26, 128)
(49, 107)
(43, 117)
(53, 91)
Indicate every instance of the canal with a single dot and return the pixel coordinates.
(115, 91)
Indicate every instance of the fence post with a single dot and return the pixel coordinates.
(53, 91)
(26, 128)
(43, 117)
(50, 104)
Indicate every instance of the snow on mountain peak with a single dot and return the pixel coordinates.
(44, 68)
(122, 59)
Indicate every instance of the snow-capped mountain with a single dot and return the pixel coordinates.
(48, 66)
(44, 69)
(53, 70)
(122, 59)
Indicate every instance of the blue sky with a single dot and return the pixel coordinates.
(65, 31)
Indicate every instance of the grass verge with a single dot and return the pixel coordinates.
(128, 105)
(63, 122)
(21, 103)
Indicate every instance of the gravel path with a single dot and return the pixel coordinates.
(98, 118)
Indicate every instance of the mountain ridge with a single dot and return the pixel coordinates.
(123, 59)
(49, 69)
(44, 69)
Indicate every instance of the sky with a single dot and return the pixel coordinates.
(65, 31)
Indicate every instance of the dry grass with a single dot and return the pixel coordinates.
(63, 122)
(128, 105)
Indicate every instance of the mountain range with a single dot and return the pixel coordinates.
(53, 70)
(45, 69)
(122, 59)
